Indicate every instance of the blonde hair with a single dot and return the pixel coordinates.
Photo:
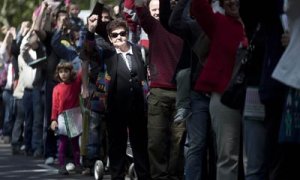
(65, 65)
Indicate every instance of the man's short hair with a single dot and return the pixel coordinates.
(114, 24)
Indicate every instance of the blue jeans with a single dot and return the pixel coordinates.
(18, 125)
(94, 137)
(255, 148)
(34, 115)
(197, 130)
(8, 116)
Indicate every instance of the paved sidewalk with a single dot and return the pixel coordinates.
(20, 167)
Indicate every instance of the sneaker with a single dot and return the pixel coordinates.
(15, 150)
(182, 114)
(70, 167)
(49, 160)
(23, 147)
(37, 154)
(63, 171)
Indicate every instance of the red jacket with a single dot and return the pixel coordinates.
(65, 96)
(225, 34)
(164, 50)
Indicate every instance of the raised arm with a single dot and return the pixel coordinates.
(147, 22)
(180, 18)
(62, 51)
(6, 44)
(97, 10)
(164, 13)
(202, 11)
(41, 20)
(131, 18)
(101, 26)
(86, 52)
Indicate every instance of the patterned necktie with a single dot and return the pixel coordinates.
(129, 61)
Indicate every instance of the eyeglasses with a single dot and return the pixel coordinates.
(122, 33)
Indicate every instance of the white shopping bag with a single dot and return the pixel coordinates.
(70, 122)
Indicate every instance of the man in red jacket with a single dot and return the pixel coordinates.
(165, 138)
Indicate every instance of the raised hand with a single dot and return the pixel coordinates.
(25, 27)
(13, 32)
(92, 22)
(44, 5)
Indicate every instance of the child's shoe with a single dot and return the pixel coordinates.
(63, 171)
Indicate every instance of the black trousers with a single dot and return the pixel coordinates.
(120, 126)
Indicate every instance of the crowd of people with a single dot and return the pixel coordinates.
(153, 73)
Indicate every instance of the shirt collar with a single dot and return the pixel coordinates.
(127, 52)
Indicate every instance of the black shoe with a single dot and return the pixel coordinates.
(28, 153)
(63, 171)
(78, 169)
(15, 150)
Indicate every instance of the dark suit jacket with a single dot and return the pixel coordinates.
(112, 59)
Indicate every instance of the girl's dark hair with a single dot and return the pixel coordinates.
(65, 65)
(114, 24)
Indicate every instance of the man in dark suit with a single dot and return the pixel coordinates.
(125, 99)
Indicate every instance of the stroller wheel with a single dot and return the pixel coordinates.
(131, 172)
(98, 170)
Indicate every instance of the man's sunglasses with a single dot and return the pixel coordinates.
(122, 33)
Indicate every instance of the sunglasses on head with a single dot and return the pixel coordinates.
(122, 33)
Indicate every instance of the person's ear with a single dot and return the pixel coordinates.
(110, 39)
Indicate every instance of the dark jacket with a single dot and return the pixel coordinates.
(111, 60)
(196, 43)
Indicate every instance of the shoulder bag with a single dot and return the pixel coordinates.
(235, 93)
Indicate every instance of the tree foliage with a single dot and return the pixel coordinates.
(13, 12)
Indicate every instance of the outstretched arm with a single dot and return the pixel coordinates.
(86, 52)
(41, 20)
(101, 26)
(6, 44)
(147, 22)
(180, 18)
(164, 13)
(202, 11)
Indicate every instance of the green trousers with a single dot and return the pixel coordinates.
(165, 138)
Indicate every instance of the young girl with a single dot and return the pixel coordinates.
(65, 97)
